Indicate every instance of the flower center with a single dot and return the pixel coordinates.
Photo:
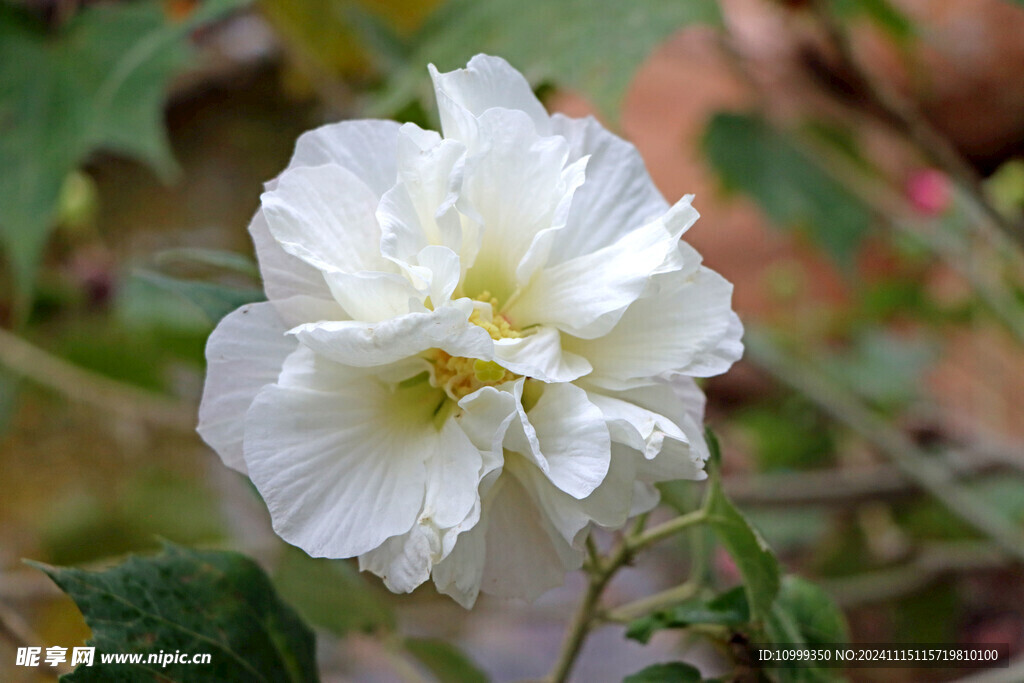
(460, 376)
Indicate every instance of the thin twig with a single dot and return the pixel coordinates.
(598, 576)
(638, 608)
(20, 634)
(842, 487)
(916, 464)
(84, 386)
(929, 141)
(666, 529)
(930, 564)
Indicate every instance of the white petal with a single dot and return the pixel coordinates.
(420, 209)
(284, 276)
(326, 217)
(459, 575)
(609, 505)
(573, 439)
(404, 562)
(444, 270)
(585, 296)
(540, 355)
(525, 555)
(366, 344)
(486, 82)
(618, 195)
(339, 457)
(370, 296)
(243, 354)
(519, 187)
(686, 327)
(682, 402)
(365, 147)
(487, 414)
(634, 426)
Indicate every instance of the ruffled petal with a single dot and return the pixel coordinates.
(404, 562)
(634, 426)
(326, 216)
(586, 296)
(686, 327)
(609, 505)
(365, 147)
(340, 456)
(572, 437)
(485, 83)
(617, 197)
(245, 353)
(540, 355)
(525, 555)
(682, 402)
(366, 344)
(519, 186)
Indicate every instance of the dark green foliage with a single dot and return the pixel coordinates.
(752, 157)
(213, 602)
(593, 46)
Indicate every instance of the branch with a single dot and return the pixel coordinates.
(931, 564)
(29, 361)
(932, 144)
(915, 464)
(836, 487)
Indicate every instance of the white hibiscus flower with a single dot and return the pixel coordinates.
(477, 345)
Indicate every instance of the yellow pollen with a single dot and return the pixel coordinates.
(460, 376)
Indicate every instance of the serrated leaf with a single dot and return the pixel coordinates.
(727, 609)
(594, 46)
(754, 559)
(213, 602)
(445, 661)
(97, 82)
(671, 672)
(795, 191)
(331, 594)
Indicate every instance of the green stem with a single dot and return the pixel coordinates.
(599, 574)
(663, 531)
(666, 598)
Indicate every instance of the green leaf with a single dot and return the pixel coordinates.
(751, 157)
(216, 259)
(213, 602)
(880, 12)
(804, 614)
(445, 661)
(754, 559)
(593, 46)
(672, 672)
(214, 300)
(727, 609)
(882, 367)
(97, 82)
(331, 594)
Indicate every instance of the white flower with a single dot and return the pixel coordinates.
(476, 345)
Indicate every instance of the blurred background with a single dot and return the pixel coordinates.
(859, 168)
